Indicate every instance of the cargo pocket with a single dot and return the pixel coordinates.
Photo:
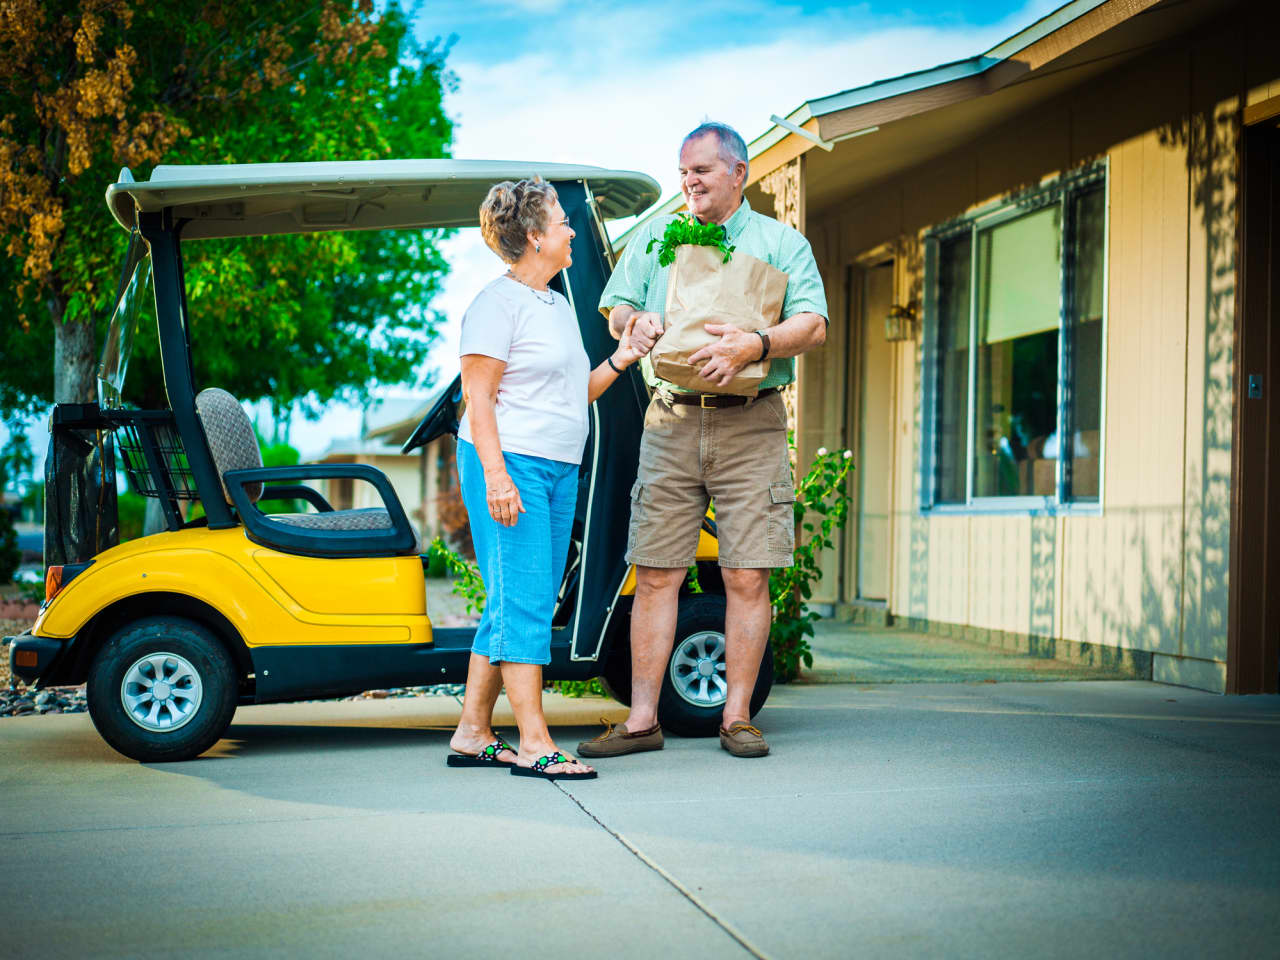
(782, 518)
(637, 515)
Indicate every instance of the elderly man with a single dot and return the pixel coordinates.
(700, 446)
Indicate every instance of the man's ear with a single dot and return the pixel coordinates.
(740, 175)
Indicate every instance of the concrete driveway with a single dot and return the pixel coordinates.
(1106, 819)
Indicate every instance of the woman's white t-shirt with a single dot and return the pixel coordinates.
(542, 396)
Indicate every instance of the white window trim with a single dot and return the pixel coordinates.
(1050, 190)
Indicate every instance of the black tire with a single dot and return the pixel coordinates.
(698, 614)
(213, 691)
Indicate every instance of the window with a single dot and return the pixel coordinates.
(1014, 352)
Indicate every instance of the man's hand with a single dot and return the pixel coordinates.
(725, 357)
(644, 328)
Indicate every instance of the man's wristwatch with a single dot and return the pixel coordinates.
(764, 340)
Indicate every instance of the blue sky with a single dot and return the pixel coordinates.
(619, 84)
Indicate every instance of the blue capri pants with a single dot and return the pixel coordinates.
(522, 565)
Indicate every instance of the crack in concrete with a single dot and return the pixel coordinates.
(728, 928)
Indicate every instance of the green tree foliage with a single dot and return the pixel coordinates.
(89, 86)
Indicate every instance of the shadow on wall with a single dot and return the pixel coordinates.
(1211, 138)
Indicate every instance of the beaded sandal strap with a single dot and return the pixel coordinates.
(542, 763)
(491, 752)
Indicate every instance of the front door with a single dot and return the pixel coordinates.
(1253, 629)
(872, 359)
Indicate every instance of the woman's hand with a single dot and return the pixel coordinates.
(503, 497)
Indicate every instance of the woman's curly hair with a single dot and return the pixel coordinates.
(510, 211)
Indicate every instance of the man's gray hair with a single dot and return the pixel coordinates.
(732, 148)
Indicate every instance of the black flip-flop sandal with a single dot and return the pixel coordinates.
(539, 769)
(488, 757)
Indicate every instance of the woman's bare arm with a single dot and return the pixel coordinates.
(480, 378)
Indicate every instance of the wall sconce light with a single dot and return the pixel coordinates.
(900, 324)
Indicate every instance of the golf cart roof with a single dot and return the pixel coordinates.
(255, 199)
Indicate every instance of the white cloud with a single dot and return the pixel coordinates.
(615, 91)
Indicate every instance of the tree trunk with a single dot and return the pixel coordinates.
(73, 357)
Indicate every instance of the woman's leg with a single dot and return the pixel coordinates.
(524, 685)
(475, 728)
(484, 680)
(524, 690)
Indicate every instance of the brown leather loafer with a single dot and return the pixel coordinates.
(743, 740)
(617, 742)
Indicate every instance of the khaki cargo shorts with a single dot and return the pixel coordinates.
(736, 456)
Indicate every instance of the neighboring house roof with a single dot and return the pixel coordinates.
(926, 113)
(386, 412)
(397, 431)
(345, 449)
(386, 425)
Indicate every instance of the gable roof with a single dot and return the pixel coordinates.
(928, 112)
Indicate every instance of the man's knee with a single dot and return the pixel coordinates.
(745, 582)
(658, 581)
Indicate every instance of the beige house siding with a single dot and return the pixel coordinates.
(1148, 574)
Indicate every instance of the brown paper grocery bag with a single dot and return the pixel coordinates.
(745, 292)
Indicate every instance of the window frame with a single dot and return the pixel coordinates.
(1061, 190)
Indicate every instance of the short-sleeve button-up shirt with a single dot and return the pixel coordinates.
(641, 283)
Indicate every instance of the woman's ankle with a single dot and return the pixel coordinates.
(536, 749)
(471, 731)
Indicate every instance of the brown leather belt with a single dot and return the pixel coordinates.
(716, 400)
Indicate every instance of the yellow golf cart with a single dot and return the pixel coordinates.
(172, 631)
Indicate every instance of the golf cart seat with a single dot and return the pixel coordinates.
(365, 532)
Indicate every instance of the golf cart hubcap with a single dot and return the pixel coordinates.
(697, 669)
(161, 692)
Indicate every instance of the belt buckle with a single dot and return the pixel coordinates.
(702, 401)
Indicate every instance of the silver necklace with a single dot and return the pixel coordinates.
(551, 296)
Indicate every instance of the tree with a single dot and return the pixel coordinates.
(89, 86)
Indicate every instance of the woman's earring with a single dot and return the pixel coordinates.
(537, 248)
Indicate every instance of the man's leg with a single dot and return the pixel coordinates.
(653, 631)
(747, 621)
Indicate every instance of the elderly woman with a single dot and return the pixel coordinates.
(527, 384)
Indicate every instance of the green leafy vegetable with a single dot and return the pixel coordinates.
(686, 230)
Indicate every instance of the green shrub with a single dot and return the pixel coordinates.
(468, 583)
(434, 564)
(823, 492)
(578, 688)
(131, 512)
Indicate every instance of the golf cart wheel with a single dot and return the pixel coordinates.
(162, 689)
(693, 685)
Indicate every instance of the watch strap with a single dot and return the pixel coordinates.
(764, 341)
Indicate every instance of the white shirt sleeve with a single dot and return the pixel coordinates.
(488, 327)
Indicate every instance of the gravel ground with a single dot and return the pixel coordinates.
(18, 700)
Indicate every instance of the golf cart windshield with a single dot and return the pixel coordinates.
(134, 288)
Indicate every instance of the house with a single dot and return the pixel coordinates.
(1051, 347)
